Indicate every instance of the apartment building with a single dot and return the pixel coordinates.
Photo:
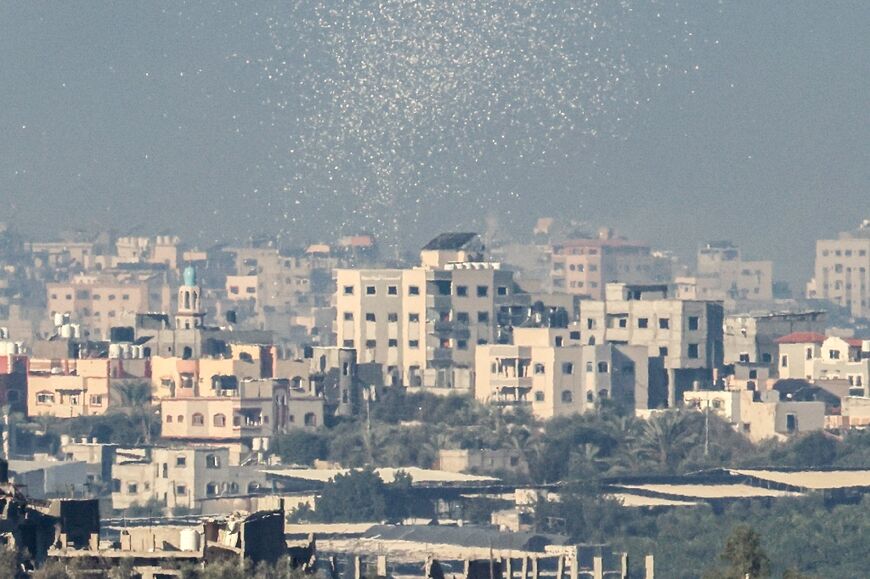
(723, 275)
(422, 324)
(69, 387)
(162, 250)
(552, 373)
(683, 338)
(842, 271)
(232, 409)
(751, 337)
(818, 358)
(584, 266)
(109, 299)
(760, 415)
(178, 476)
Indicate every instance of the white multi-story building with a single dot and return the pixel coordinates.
(816, 357)
(683, 338)
(423, 324)
(842, 271)
(551, 372)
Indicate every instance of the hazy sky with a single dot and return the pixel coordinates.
(161, 116)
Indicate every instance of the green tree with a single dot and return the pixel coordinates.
(300, 446)
(356, 497)
(666, 439)
(743, 556)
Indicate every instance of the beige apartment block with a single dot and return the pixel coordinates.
(179, 477)
(552, 374)
(759, 415)
(724, 275)
(423, 324)
(842, 271)
(101, 301)
(683, 338)
(817, 358)
(585, 266)
(79, 387)
(249, 409)
(159, 250)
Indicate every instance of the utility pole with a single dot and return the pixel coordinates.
(707, 429)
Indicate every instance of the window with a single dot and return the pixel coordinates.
(462, 290)
(834, 354)
(567, 368)
(132, 488)
(663, 351)
(180, 490)
(197, 419)
(602, 367)
(168, 418)
(310, 419)
(392, 343)
(539, 396)
(392, 290)
(643, 323)
(348, 290)
(590, 396)
(413, 317)
(370, 317)
(371, 290)
(482, 291)
(590, 323)
(623, 322)
(212, 461)
(791, 422)
(664, 323)
(211, 489)
(393, 317)
(590, 367)
(348, 316)
(45, 398)
(784, 361)
(575, 335)
(347, 343)
(462, 344)
(219, 420)
(539, 369)
(567, 396)
(414, 290)
(96, 399)
(483, 317)
(693, 351)
(180, 419)
(765, 357)
(180, 461)
(809, 353)
(462, 317)
(694, 322)
(371, 344)
(250, 290)
(753, 374)
(502, 290)
(413, 344)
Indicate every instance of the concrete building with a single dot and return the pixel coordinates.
(683, 338)
(238, 410)
(485, 461)
(422, 324)
(549, 371)
(45, 477)
(842, 271)
(67, 388)
(111, 298)
(759, 415)
(818, 358)
(179, 476)
(585, 266)
(723, 275)
(751, 337)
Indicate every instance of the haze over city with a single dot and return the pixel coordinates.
(398, 289)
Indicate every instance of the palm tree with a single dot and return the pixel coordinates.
(135, 402)
(665, 439)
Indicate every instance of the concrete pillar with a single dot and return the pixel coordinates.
(598, 567)
(623, 566)
(382, 565)
(560, 568)
(525, 569)
(535, 568)
(357, 567)
(508, 568)
(575, 562)
(649, 567)
(672, 388)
